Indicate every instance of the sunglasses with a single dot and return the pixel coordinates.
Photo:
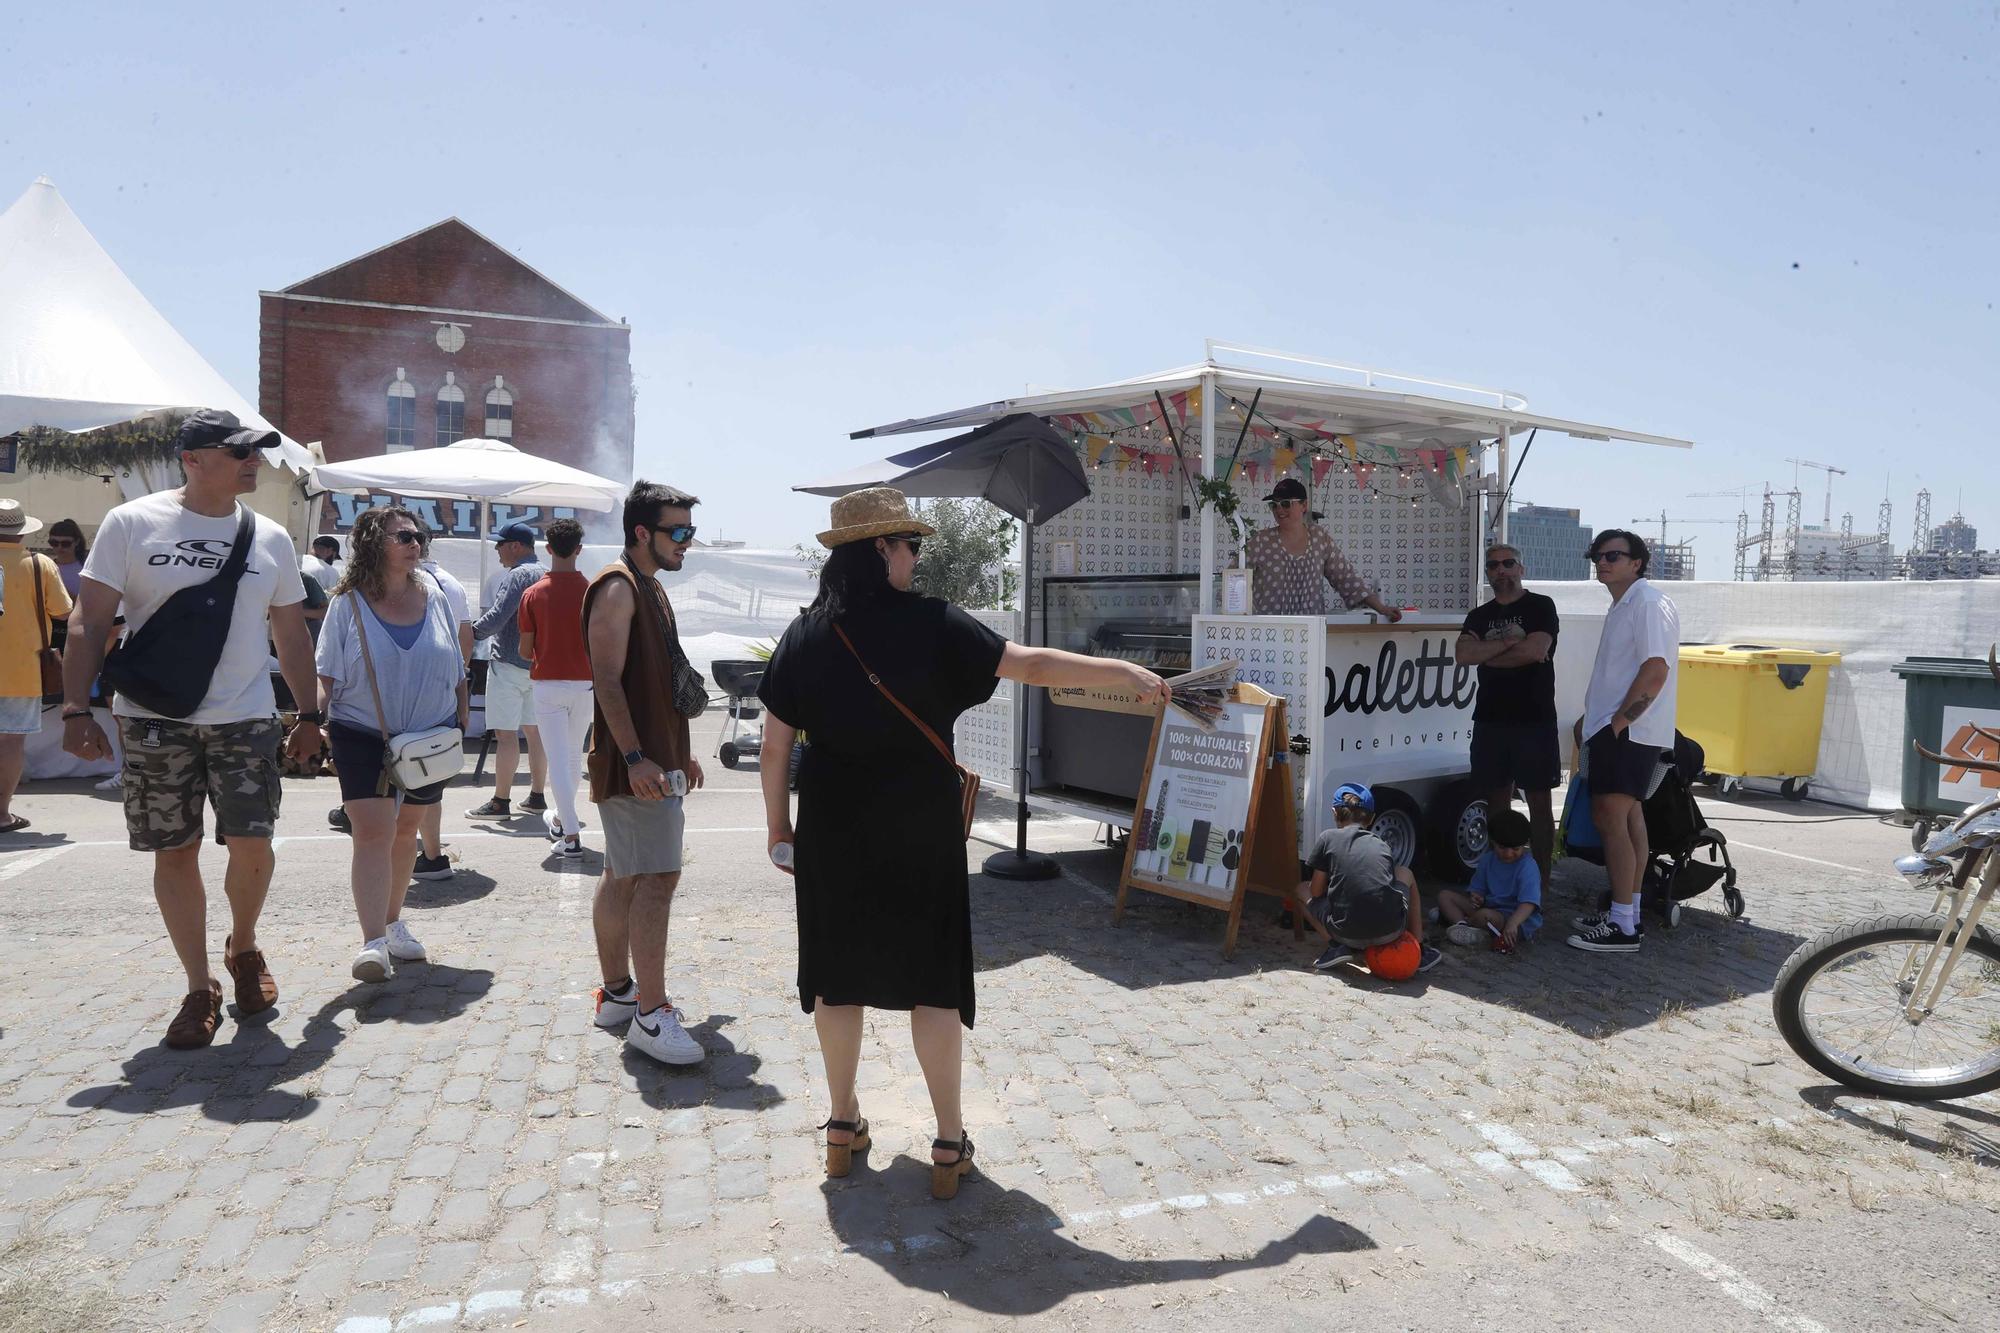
(679, 532)
(1611, 556)
(1285, 504)
(240, 452)
(64, 542)
(1508, 563)
(916, 544)
(404, 537)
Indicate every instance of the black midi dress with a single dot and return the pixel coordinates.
(885, 917)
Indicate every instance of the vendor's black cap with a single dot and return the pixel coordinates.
(211, 426)
(1291, 488)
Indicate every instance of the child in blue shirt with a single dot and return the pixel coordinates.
(1506, 890)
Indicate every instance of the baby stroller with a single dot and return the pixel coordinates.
(739, 680)
(1685, 858)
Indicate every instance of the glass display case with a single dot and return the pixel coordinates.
(1093, 743)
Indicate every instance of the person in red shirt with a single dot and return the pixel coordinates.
(552, 641)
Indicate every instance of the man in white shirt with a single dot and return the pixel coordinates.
(323, 565)
(1628, 726)
(224, 751)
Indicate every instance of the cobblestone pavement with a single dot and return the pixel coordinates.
(1544, 1140)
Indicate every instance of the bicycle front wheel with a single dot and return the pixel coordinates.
(1840, 1000)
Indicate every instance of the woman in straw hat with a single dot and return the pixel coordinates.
(885, 918)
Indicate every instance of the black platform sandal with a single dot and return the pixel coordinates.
(946, 1175)
(840, 1156)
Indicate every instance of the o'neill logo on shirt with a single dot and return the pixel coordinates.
(1402, 691)
(196, 553)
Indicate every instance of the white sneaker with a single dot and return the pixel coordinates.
(570, 848)
(116, 782)
(373, 962)
(403, 946)
(616, 1010)
(1464, 932)
(660, 1035)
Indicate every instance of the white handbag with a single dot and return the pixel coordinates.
(413, 759)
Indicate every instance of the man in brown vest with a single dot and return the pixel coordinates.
(640, 765)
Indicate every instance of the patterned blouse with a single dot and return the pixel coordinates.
(1289, 585)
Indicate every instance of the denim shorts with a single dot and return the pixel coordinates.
(20, 717)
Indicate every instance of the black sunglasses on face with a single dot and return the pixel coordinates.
(404, 537)
(1508, 563)
(916, 544)
(64, 542)
(1613, 556)
(239, 452)
(679, 532)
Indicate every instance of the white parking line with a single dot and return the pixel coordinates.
(1737, 1287)
(1809, 860)
(39, 857)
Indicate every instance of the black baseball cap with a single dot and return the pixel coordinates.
(1291, 488)
(211, 427)
(516, 532)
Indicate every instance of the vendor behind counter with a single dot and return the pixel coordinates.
(1295, 560)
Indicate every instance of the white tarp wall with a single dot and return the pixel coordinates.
(1872, 625)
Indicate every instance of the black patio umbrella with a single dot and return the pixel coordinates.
(1026, 467)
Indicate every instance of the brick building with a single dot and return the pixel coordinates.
(442, 336)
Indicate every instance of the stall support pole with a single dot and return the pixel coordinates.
(1205, 589)
(485, 551)
(1018, 862)
(1506, 500)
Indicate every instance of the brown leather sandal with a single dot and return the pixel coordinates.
(840, 1156)
(201, 1014)
(946, 1175)
(256, 989)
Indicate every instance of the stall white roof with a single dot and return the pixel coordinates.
(80, 345)
(474, 469)
(1372, 406)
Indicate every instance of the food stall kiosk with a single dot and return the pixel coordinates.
(1404, 474)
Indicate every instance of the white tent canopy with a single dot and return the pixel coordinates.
(475, 469)
(80, 346)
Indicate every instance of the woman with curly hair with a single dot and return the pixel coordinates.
(386, 613)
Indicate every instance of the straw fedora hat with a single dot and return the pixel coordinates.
(15, 521)
(879, 511)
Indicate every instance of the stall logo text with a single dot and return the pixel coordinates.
(1429, 679)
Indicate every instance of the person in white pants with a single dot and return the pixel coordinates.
(551, 620)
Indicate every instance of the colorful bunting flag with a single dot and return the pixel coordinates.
(1321, 466)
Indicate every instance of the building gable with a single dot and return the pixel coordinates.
(448, 266)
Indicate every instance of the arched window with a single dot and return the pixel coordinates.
(450, 411)
(401, 431)
(499, 411)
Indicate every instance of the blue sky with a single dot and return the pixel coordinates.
(1767, 227)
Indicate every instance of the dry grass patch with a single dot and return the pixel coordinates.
(41, 1291)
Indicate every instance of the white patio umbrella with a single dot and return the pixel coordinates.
(482, 470)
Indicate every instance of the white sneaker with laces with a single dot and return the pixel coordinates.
(661, 1036)
(373, 962)
(403, 946)
(615, 1009)
(570, 848)
(1464, 932)
(116, 782)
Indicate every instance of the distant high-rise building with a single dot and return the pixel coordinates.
(1956, 537)
(1824, 556)
(1672, 564)
(1552, 542)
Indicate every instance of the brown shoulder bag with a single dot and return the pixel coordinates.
(968, 781)
(49, 657)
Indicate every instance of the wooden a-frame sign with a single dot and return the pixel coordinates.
(1230, 827)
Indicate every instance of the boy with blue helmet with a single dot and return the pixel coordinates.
(1357, 893)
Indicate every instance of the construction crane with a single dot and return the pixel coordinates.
(1831, 472)
(1662, 520)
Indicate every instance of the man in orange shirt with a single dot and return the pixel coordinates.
(34, 595)
(551, 619)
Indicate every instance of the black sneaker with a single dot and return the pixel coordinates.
(1336, 953)
(432, 867)
(1605, 938)
(1596, 919)
(337, 818)
(534, 805)
(1428, 959)
(494, 807)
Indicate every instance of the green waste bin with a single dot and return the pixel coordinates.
(1944, 699)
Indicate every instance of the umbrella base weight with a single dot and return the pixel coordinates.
(1012, 864)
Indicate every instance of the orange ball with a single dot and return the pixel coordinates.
(1397, 960)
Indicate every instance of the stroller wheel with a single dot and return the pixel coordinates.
(1673, 915)
(729, 754)
(1732, 898)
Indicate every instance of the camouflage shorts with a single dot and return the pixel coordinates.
(172, 767)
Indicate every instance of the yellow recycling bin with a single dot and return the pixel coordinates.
(1755, 711)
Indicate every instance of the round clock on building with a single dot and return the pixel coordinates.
(450, 337)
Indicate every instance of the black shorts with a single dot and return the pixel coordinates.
(1620, 766)
(1359, 918)
(361, 757)
(1521, 754)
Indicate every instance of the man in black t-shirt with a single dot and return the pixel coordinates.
(1512, 640)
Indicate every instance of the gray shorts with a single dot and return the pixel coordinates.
(641, 837)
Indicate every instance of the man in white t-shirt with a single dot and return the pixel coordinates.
(225, 752)
(323, 566)
(1628, 726)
